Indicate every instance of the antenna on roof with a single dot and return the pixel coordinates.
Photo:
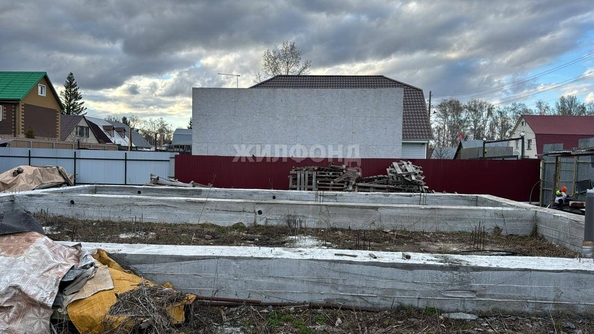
(233, 75)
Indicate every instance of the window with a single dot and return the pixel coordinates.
(41, 90)
(529, 144)
(82, 131)
(1, 113)
(523, 123)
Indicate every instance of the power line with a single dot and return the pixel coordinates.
(538, 75)
(555, 86)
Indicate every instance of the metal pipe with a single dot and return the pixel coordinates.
(483, 148)
(74, 167)
(125, 168)
(522, 147)
(588, 244)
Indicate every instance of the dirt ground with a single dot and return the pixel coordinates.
(478, 242)
(210, 317)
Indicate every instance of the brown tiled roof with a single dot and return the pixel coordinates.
(102, 138)
(67, 124)
(415, 119)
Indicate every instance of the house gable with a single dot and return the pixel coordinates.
(553, 129)
(49, 100)
(36, 104)
(76, 128)
(415, 119)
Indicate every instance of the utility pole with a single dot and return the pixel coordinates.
(232, 75)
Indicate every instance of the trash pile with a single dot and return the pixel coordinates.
(24, 178)
(401, 176)
(43, 279)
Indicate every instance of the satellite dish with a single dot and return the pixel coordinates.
(516, 153)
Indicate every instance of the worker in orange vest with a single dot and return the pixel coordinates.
(560, 197)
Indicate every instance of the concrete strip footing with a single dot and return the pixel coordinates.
(451, 283)
(395, 211)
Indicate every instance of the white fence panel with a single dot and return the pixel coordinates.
(94, 166)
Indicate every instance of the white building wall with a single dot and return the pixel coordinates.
(412, 150)
(529, 140)
(297, 122)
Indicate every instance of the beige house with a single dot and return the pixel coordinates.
(30, 105)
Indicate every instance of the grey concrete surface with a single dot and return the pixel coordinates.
(413, 212)
(227, 212)
(451, 283)
(283, 195)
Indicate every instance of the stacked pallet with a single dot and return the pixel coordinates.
(318, 178)
(402, 176)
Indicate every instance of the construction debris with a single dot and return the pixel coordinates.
(160, 181)
(401, 176)
(318, 178)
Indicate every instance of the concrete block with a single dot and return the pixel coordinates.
(451, 283)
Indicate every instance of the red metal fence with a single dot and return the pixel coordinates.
(513, 179)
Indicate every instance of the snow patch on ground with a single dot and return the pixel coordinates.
(144, 235)
(50, 230)
(305, 241)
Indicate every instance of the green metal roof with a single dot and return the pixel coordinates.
(16, 85)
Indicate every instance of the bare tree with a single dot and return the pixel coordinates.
(570, 106)
(449, 122)
(131, 121)
(515, 110)
(134, 122)
(157, 131)
(542, 108)
(590, 108)
(501, 124)
(478, 113)
(286, 60)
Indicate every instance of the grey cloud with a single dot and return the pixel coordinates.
(133, 89)
(450, 47)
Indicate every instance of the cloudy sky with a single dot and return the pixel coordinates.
(142, 57)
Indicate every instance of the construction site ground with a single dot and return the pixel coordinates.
(206, 317)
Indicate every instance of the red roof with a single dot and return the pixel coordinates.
(566, 130)
(560, 125)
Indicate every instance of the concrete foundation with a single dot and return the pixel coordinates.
(448, 282)
(451, 283)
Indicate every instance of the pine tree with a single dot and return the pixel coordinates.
(72, 97)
